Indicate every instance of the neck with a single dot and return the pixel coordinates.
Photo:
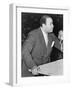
(43, 29)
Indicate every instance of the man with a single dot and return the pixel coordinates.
(38, 46)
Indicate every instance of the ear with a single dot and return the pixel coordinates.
(43, 25)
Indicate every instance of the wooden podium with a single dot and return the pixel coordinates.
(53, 68)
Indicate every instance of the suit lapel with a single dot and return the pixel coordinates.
(42, 41)
(49, 43)
(46, 49)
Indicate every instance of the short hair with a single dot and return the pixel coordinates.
(43, 19)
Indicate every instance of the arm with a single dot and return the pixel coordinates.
(26, 51)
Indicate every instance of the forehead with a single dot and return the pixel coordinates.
(49, 20)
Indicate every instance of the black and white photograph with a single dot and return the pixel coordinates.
(41, 44)
(37, 44)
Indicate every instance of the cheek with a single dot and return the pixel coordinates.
(50, 27)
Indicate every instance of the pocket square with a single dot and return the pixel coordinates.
(52, 44)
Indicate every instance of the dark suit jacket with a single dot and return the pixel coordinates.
(35, 52)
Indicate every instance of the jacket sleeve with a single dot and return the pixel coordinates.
(26, 51)
(57, 43)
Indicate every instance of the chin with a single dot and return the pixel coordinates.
(49, 32)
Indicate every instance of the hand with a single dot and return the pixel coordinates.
(60, 35)
(35, 70)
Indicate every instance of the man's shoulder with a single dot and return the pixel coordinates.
(51, 34)
(34, 32)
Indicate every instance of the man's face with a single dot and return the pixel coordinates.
(49, 25)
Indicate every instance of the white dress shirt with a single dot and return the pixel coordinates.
(45, 37)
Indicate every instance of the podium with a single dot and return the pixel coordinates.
(52, 68)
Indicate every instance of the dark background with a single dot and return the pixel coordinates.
(31, 21)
